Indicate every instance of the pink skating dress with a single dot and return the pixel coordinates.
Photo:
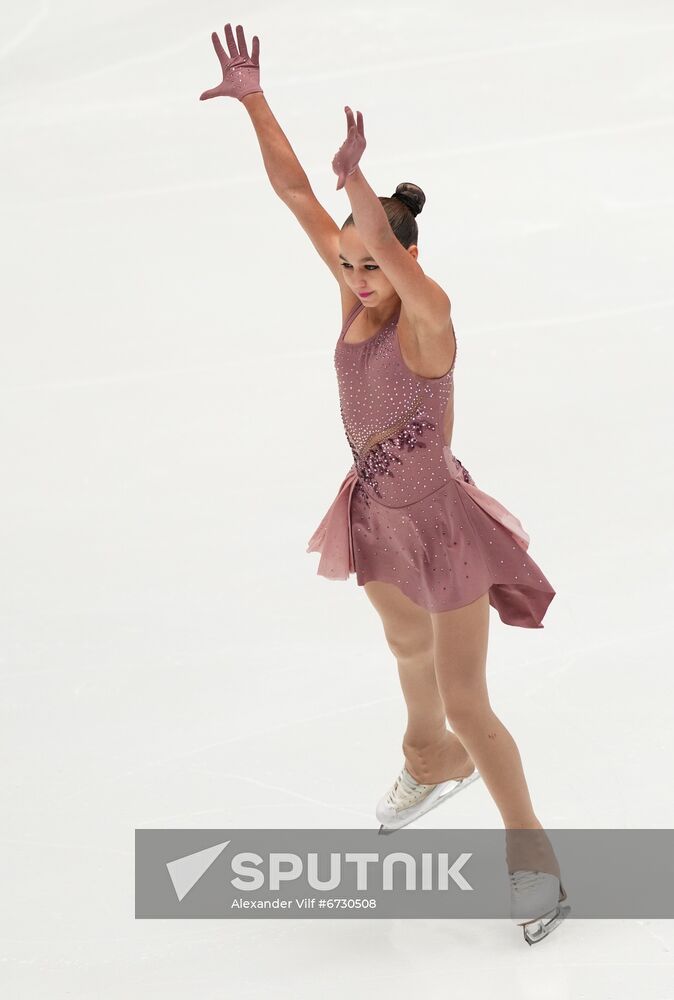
(408, 512)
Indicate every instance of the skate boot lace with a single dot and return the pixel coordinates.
(406, 791)
(524, 879)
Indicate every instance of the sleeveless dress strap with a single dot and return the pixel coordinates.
(349, 319)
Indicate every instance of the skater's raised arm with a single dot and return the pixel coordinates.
(284, 170)
(426, 304)
(241, 80)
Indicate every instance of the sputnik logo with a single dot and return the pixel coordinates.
(186, 872)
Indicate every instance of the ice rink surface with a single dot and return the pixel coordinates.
(171, 437)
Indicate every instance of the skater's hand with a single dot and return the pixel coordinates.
(240, 72)
(346, 159)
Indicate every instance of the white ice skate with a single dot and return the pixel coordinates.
(534, 903)
(408, 799)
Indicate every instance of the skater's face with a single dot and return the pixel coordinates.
(361, 271)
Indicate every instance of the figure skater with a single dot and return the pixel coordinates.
(431, 550)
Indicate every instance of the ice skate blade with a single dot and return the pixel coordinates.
(536, 930)
(422, 811)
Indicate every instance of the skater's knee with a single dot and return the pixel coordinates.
(466, 707)
(410, 644)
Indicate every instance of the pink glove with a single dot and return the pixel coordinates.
(346, 159)
(240, 72)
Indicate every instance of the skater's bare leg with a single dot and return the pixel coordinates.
(432, 753)
(460, 657)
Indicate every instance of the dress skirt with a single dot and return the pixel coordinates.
(443, 551)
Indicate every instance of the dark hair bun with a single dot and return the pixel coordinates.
(410, 195)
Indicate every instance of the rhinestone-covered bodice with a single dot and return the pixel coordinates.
(393, 418)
